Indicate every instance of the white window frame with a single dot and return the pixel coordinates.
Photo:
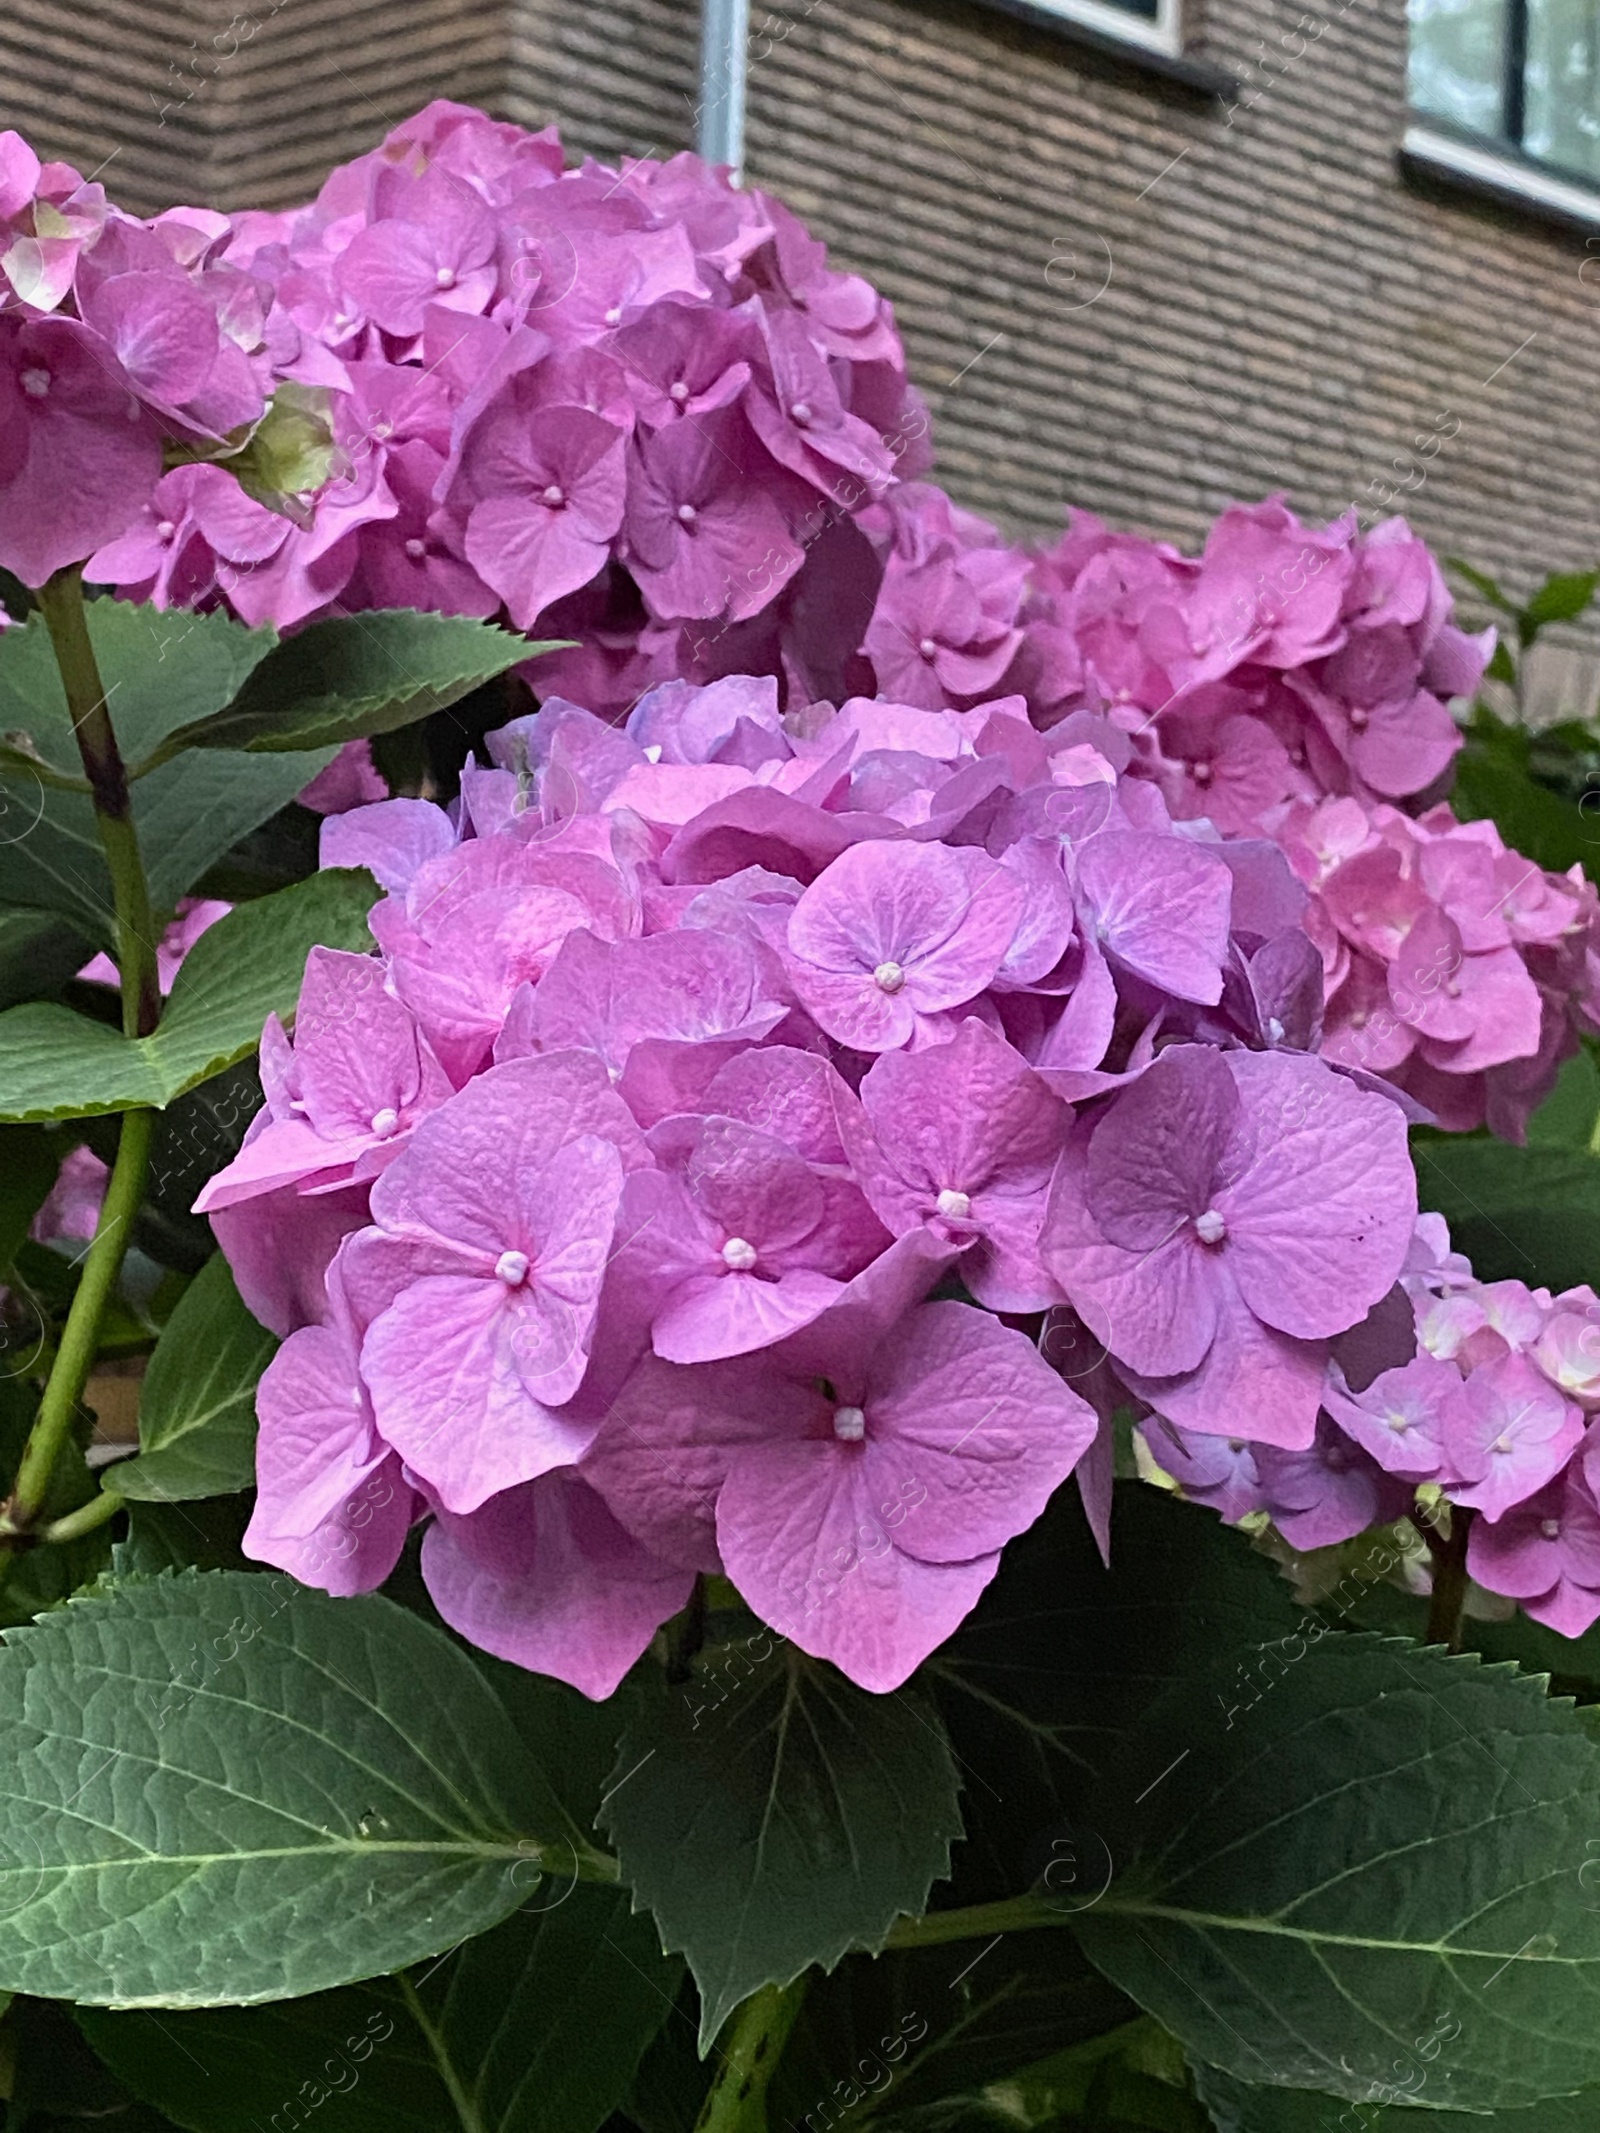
(1480, 164)
(1163, 35)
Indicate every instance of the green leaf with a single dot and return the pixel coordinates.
(351, 2061)
(1529, 1214)
(281, 850)
(192, 811)
(1237, 2108)
(536, 2027)
(201, 1535)
(161, 671)
(938, 2025)
(1047, 1681)
(29, 1160)
(1384, 1840)
(37, 952)
(351, 675)
(1561, 598)
(42, 1577)
(223, 1788)
(55, 2079)
(1482, 584)
(545, 2021)
(197, 1135)
(20, 759)
(792, 1820)
(1570, 1113)
(1501, 667)
(1493, 784)
(57, 1064)
(197, 1408)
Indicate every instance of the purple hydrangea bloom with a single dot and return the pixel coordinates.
(963, 1137)
(1545, 1552)
(1226, 1215)
(737, 1239)
(333, 1505)
(341, 1102)
(891, 934)
(480, 1278)
(858, 1481)
(1506, 1432)
(544, 1576)
(79, 456)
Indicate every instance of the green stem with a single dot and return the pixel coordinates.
(466, 2109)
(750, 2048)
(1446, 1606)
(80, 1337)
(61, 603)
(75, 1524)
(976, 1921)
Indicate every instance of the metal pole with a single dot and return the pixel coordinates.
(724, 54)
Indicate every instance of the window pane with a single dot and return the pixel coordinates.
(1458, 60)
(1563, 78)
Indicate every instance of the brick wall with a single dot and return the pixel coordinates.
(1115, 290)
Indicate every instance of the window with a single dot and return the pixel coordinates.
(1521, 75)
(1151, 24)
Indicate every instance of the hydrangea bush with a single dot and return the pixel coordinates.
(756, 1156)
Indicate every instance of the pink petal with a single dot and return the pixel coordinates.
(1160, 905)
(1321, 1201)
(545, 1577)
(811, 1548)
(1252, 1383)
(449, 1395)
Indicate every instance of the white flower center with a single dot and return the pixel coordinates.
(385, 1122)
(957, 1205)
(555, 496)
(36, 383)
(849, 1424)
(1398, 1422)
(446, 277)
(614, 315)
(1210, 1228)
(1550, 1528)
(740, 1254)
(678, 391)
(512, 1269)
(416, 549)
(687, 514)
(165, 529)
(800, 412)
(928, 648)
(1274, 1029)
(888, 977)
(1201, 773)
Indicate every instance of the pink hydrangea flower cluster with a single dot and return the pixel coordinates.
(686, 1184)
(1283, 663)
(617, 406)
(1493, 1407)
(1455, 968)
(120, 338)
(934, 995)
